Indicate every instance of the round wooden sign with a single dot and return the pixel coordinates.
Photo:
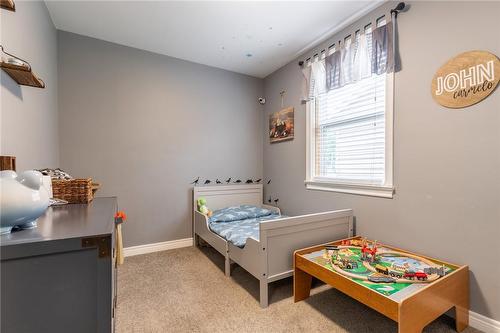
(466, 79)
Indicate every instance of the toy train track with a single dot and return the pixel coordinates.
(379, 273)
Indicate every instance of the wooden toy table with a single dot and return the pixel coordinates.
(412, 308)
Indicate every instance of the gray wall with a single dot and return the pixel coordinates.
(145, 125)
(447, 161)
(28, 116)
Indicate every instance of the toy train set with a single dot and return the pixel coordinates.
(364, 260)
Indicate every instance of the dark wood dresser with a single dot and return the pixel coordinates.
(61, 276)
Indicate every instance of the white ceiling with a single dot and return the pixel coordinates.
(253, 38)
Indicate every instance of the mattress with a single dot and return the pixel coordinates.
(237, 232)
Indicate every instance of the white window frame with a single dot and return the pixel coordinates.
(385, 190)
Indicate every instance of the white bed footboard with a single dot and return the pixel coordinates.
(271, 257)
(283, 236)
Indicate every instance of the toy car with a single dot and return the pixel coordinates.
(381, 279)
(395, 273)
(338, 263)
(382, 269)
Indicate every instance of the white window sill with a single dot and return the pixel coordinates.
(369, 190)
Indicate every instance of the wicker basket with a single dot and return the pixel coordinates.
(74, 190)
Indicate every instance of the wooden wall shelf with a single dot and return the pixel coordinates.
(8, 4)
(23, 75)
(19, 70)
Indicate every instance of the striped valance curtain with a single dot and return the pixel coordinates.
(370, 52)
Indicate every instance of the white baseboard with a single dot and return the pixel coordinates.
(155, 247)
(483, 323)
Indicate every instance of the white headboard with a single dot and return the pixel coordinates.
(231, 195)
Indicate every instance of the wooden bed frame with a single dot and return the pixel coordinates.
(271, 257)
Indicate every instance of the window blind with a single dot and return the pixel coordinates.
(349, 122)
(350, 132)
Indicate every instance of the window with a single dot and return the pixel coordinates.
(349, 137)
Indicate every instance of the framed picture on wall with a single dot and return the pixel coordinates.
(281, 125)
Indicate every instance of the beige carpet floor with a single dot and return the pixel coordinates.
(185, 290)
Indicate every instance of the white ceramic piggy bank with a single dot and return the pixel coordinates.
(22, 199)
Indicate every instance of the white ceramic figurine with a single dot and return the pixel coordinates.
(22, 199)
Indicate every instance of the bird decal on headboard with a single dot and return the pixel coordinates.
(217, 181)
(249, 181)
(195, 182)
(208, 181)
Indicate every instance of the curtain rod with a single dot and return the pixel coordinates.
(400, 7)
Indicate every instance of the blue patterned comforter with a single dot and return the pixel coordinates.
(238, 231)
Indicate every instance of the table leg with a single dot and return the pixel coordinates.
(301, 285)
(462, 303)
(461, 318)
(403, 327)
